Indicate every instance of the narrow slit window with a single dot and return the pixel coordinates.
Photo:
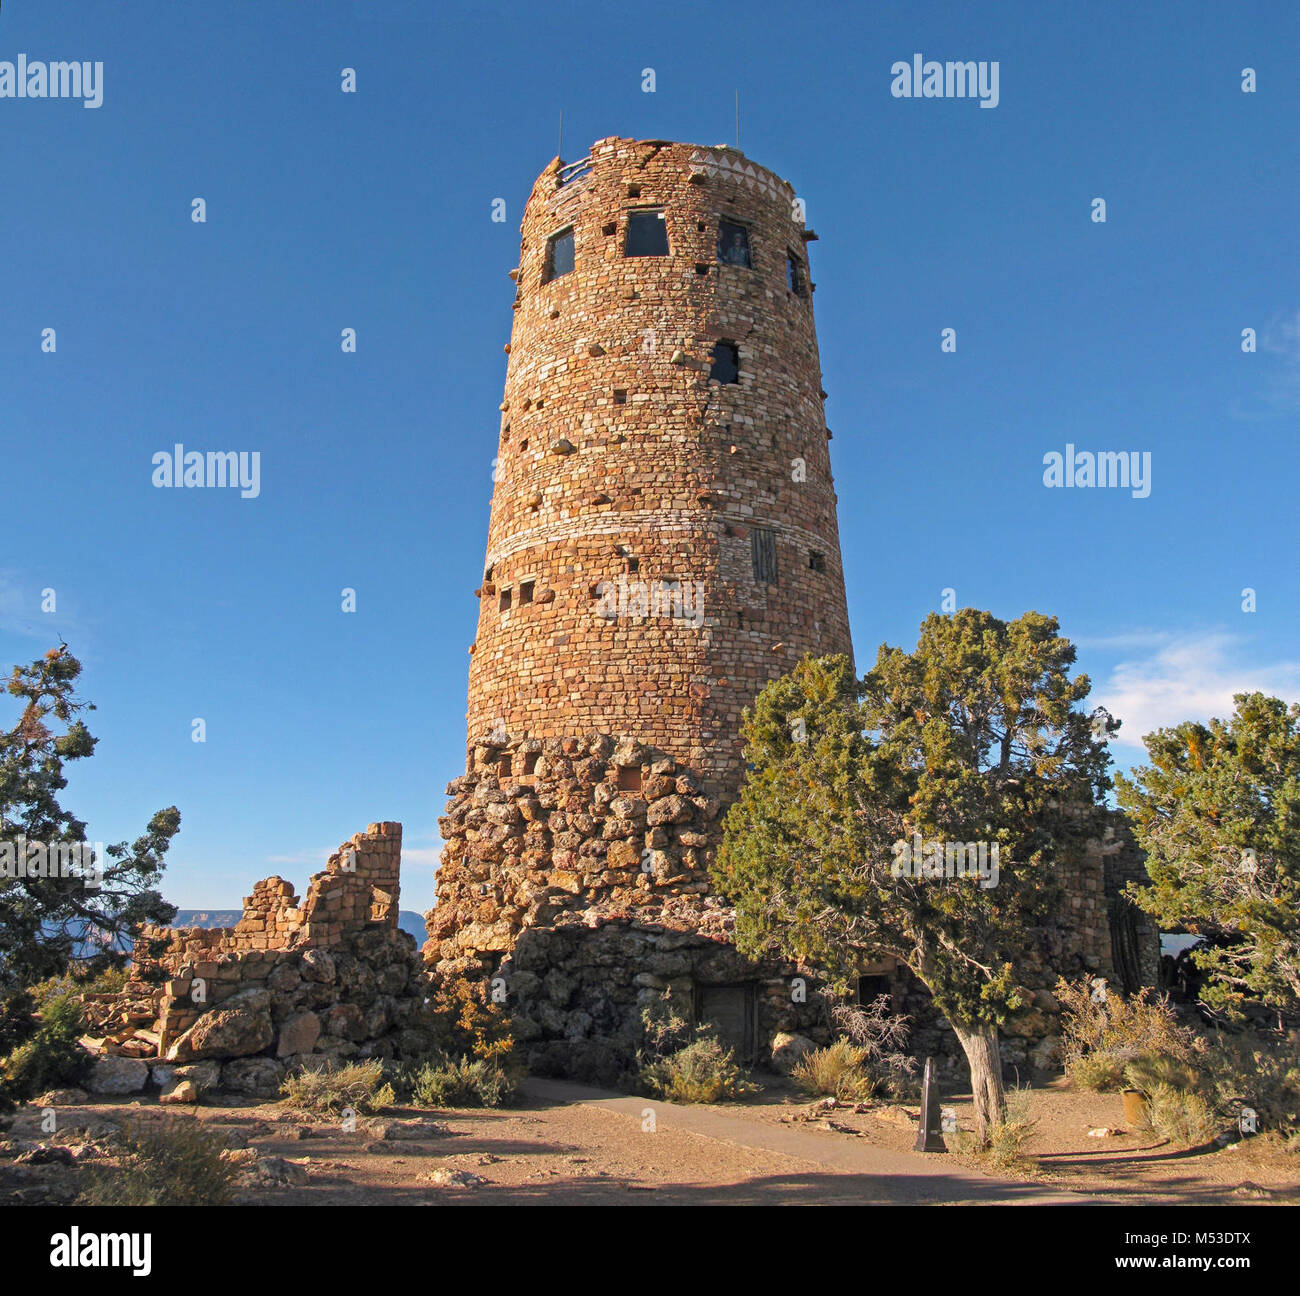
(726, 363)
(526, 592)
(503, 600)
(795, 279)
(647, 234)
(559, 255)
(503, 767)
(763, 547)
(733, 244)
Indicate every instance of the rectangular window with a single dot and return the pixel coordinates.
(629, 778)
(763, 546)
(795, 280)
(526, 591)
(647, 234)
(816, 560)
(503, 767)
(503, 600)
(559, 255)
(733, 244)
(726, 363)
(530, 763)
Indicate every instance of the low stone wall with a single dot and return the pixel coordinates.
(329, 979)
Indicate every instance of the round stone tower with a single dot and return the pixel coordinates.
(662, 542)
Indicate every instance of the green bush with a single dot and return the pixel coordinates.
(1005, 1149)
(328, 1090)
(1180, 1116)
(463, 1082)
(170, 1162)
(702, 1072)
(838, 1071)
(1100, 1072)
(52, 1057)
(1258, 1072)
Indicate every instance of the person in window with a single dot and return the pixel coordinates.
(734, 251)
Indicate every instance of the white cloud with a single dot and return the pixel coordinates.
(1188, 677)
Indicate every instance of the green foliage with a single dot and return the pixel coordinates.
(702, 1072)
(674, 1066)
(1216, 812)
(45, 922)
(1248, 1070)
(464, 1021)
(461, 1082)
(1099, 1072)
(327, 1090)
(838, 1071)
(1183, 1116)
(169, 1162)
(975, 736)
(51, 1057)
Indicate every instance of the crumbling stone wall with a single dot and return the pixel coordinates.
(325, 980)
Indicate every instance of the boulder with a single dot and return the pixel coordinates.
(299, 1034)
(62, 1098)
(788, 1049)
(240, 1027)
(318, 965)
(118, 1075)
(256, 1077)
(180, 1091)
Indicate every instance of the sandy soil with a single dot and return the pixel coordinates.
(552, 1151)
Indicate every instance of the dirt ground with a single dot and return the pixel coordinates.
(561, 1145)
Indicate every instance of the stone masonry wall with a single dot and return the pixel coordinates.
(325, 980)
(620, 460)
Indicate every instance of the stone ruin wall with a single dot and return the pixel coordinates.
(327, 979)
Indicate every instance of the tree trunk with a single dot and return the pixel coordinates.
(981, 1047)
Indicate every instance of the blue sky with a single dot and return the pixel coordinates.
(372, 211)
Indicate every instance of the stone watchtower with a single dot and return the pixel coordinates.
(662, 543)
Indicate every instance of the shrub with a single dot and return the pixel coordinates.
(328, 1090)
(883, 1037)
(170, 1162)
(1260, 1073)
(1148, 1070)
(465, 1022)
(466, 1082)
(839, 1070)
(1114, 1032)
(702, 1072)
(1005, 1149)
(1180, 1116)
(52, 1057)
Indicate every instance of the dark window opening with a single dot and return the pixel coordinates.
(870, 988)
(795, 280)
(503, 767)
(530, 763)
(629, 778)
(503, 602)
(634, 191)
(817, 561)
(610, 228)
(726, 363)
(559, 255)
(701, 268)
(763, 547)
(647, 234)
(487, 575)
(633, 565)
(526, 592)
(523, 445)
(620, 396)
(733, 244)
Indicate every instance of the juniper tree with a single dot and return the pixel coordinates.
(976, 736)
(46, 922)
(1217, 811)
